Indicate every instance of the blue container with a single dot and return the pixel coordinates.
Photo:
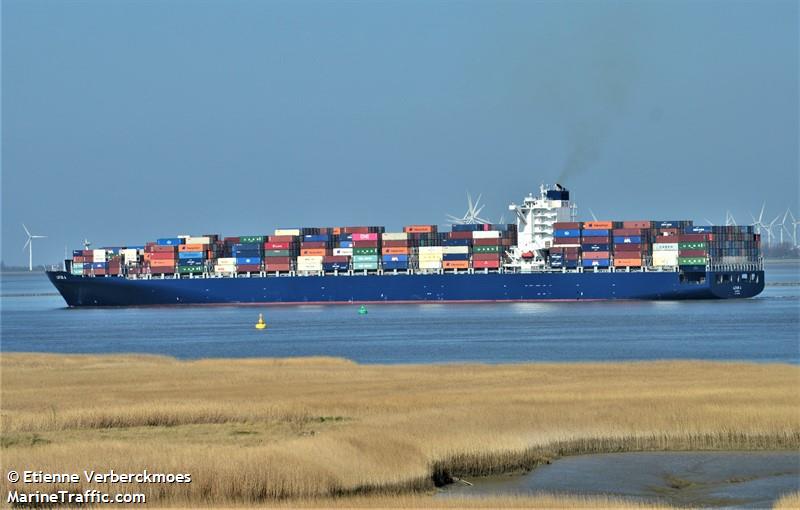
(345, 237)
(246, 261)
(456, 242)
(197, 261)
(345, 244)
(571, 264)
(455, 256)
(246, 253)
(698, 229)
(335, 266)
(667, 224)
(395, 265)
(556, 263)
(141, 247)
(466, 228)
(316, 238)
(567, 233)
(595, 232)
(77, 253)
(247, 246)
(99, 265)
(627, 239)
(595, 263)
(395, 258)
(169, 241)
(594, 247)
(190, 254)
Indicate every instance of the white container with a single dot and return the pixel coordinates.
(430, 249)
(430, 257)
(486, 234)
(198, 240)
(455, 249)
(309, 263)
(394, 236)
(99, 255)
(430, 264)
(226, 261)
(287, 231)
(665, 247)
(665, 258)
(343, 252)
(225, 268)
(130, 255)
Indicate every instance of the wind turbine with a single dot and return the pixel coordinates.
(471, 216)
(794, 223)
(592, 213)
(757, 222)
(769, 230)
(729, 219)
(29, 246)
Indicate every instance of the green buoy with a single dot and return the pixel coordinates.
(362, 310)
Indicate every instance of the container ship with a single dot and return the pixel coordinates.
(544, 256)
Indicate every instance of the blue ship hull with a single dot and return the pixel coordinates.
(405, 288)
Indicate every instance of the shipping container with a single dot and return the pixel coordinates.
(248, 268)
(395, 236)
(365, 237)
(419, 229)
(598, 255)
(594, 232)
(627, 232)
(598, 225)
(365, 251)
(368, 266)
(635, 225)
(566, 225)
(486, 234)
(455, 264)
(486, 249)
(595, 262)
(287, 231)
(169, 241)
(486, 256)
(627, 240)
(567, 233)
(665, 247)
(276, 266)
(247, 261)
(388, 250)
(618, 262)
(595, 247)
(486, 264)
(343, 251)
(698, 229)
(692, 261)
(190, 255)
(190, 269)
(313, 252)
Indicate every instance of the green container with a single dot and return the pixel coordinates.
(369, 259)
(692, 261)
(485, 249)
(692, 246)
(365, 251)
(277, 253)
(190, 269)
(360, 266)
(251, 239)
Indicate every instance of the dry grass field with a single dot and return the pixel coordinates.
(293, 432)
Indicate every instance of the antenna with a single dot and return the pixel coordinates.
(471, 216)
(29, 245)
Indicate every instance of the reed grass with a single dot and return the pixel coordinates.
(329, 430)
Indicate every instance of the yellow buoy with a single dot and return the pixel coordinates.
(261, 324)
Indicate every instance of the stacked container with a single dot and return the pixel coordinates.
(394, 250)
(430, 257)
(247, 253)
(161, 257)
(365, 251)
(595, 244)
(486, 249)
(630, 244)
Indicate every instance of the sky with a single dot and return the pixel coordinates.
(125, 121)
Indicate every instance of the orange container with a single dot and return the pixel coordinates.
(395, 250)
(627, 262)
(192, 247)
(598, 224)
(455, 264)
(313, 252)
(418, 229)
(162, 263)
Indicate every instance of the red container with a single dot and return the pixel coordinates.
(162, 269)
(567, 225)
(459, 235)
(486, 264)
(277, 246)
(248, 268)
(594, 240)
(78, 259)
(365, 244)
(395, 244)
(99, 272)
(635, 224)
(231, 240)
(569, 240)
(595, 255)
(281, 239)
(693, 253)
(486, 242)
(276, 267)
(277, 260)
(419, 229)
(627, 231)
(570, 256)
(312, 244)
(160, 249)
(115, 271)
(161, 255)
(335, 258)
(355, 230)
(486, 256)
(628, 247)
(87, 253)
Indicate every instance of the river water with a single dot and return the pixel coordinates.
(765, 328)
(683, 479)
